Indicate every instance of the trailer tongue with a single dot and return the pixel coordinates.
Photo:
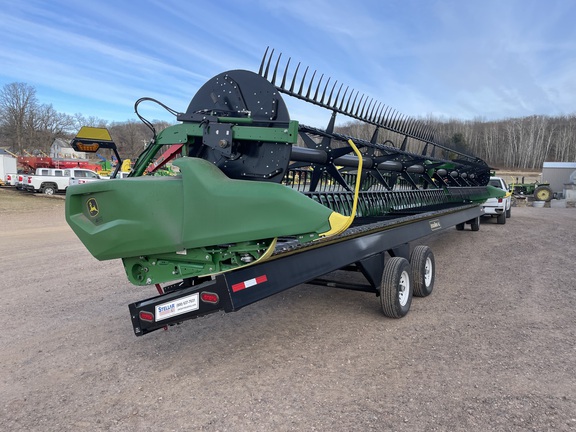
(251, 213)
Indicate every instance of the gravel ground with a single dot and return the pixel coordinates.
(492, 349)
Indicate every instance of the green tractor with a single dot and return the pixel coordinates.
(540, 191)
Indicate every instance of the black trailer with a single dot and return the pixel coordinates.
(263, 203)
(379, 250)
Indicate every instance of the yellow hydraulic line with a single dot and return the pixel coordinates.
(338, 222)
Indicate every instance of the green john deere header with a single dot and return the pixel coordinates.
(248, 175)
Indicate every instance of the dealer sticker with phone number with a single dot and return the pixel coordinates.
(177, 307)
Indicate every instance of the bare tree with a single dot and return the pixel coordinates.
(80, 120)
(17, 103)
(130, 137)
(48, 125)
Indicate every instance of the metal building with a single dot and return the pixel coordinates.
(557, 174)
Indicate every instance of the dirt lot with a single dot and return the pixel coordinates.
(492, 349)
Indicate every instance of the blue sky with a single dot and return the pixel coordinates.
(487, 59)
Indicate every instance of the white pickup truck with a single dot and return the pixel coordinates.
(11, 179)
(501, 208)
(83, 180)
(24, 181)
(19, 181)
(52, 180)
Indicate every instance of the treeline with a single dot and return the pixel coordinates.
(29, 127)
(515, 143)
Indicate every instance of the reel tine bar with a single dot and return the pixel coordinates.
(353, 103)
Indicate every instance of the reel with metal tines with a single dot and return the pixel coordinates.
(350, 103)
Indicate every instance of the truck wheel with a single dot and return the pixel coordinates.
(423, 271)
(460, 226)
(501, 219)
(543, 193)
(509, 212)
(49, 190)
(475, 224)
(396, 289)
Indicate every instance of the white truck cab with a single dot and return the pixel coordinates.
(501, 208)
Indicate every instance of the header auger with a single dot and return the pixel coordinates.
(246, 188)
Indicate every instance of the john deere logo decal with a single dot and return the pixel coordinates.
(92, 207)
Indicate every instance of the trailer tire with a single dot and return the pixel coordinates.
(460, 226)
(396, 288)
(475, 224)
(501, 219)
(423, 271)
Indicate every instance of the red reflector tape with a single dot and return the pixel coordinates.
(250, 282)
